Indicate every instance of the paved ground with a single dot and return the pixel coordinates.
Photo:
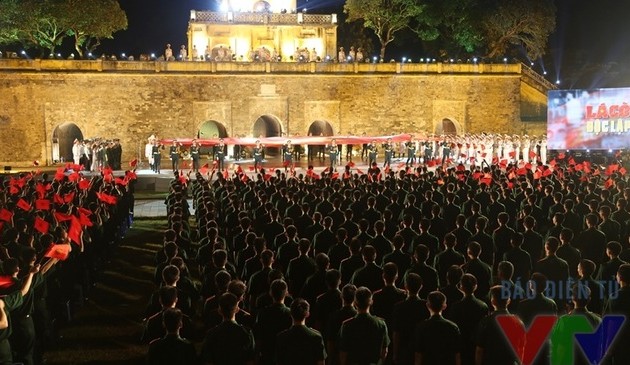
(153, 208)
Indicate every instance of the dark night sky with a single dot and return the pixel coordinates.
(590, 47)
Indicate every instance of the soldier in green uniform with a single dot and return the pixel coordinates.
(258, 156)
(363, 339)
(372, 152)
(174, 155)
(194, 155)
(300, 344)
(411, 152)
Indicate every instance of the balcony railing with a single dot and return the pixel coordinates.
(260, 18)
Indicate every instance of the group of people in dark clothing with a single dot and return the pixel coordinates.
(412, 267)
(56, 233)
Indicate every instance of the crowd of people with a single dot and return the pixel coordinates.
(97, 153)
(470, 149)
(401, 267)
(56, 233)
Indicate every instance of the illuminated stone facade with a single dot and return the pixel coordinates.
(248, 30)
(47, 102)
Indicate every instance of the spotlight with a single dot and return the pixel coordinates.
(404, 59)
(475, 59)
(452, 60)
(433, 60)
(557, 82)
(531, 63)
(23, 52)
(59, 55)
(90, 55)
(544, 72)
(505, 59)
(422, 60)
(610, 151)
(375, 59)
(123, 55)
(588, 151)
(349, 58)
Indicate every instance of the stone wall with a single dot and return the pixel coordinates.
(133, 105)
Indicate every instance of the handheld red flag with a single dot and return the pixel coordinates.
(84, 184)
(133, 163)
(22, 204)
(68, 198)
(84, 220)
(74, 233)
(6, 215)
(41, 225)
(60, 252)
(62, 217)
(6, 281)
(42, 204)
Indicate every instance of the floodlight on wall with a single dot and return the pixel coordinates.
(230, 16)
(193, 15)
(300, 18)
(334, 18)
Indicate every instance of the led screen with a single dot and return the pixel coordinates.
(588, 119)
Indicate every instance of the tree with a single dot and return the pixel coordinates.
(9, 28)
(453, 23)
(42, 24)
(384, 17)
(526, 23)
(89, 21)
(355, 34)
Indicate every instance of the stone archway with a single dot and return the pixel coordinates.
(321, 128)
(267, 126)
(211, 129)
(62, 140)
(448, 126)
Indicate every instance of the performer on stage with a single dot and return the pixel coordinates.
(389, 152)
(237, 150)
(148, 151)
(428, 151)
(446, 150)
(333, 153)
(157, 156)
(174, 154)
(194, 155)
(287, 150)
(364, 150)
(77, 151)
(349, 151)
(411, 152)
(258, 156)
(219, 154)
(372, 152)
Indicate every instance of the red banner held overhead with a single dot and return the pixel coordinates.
(279, 141)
